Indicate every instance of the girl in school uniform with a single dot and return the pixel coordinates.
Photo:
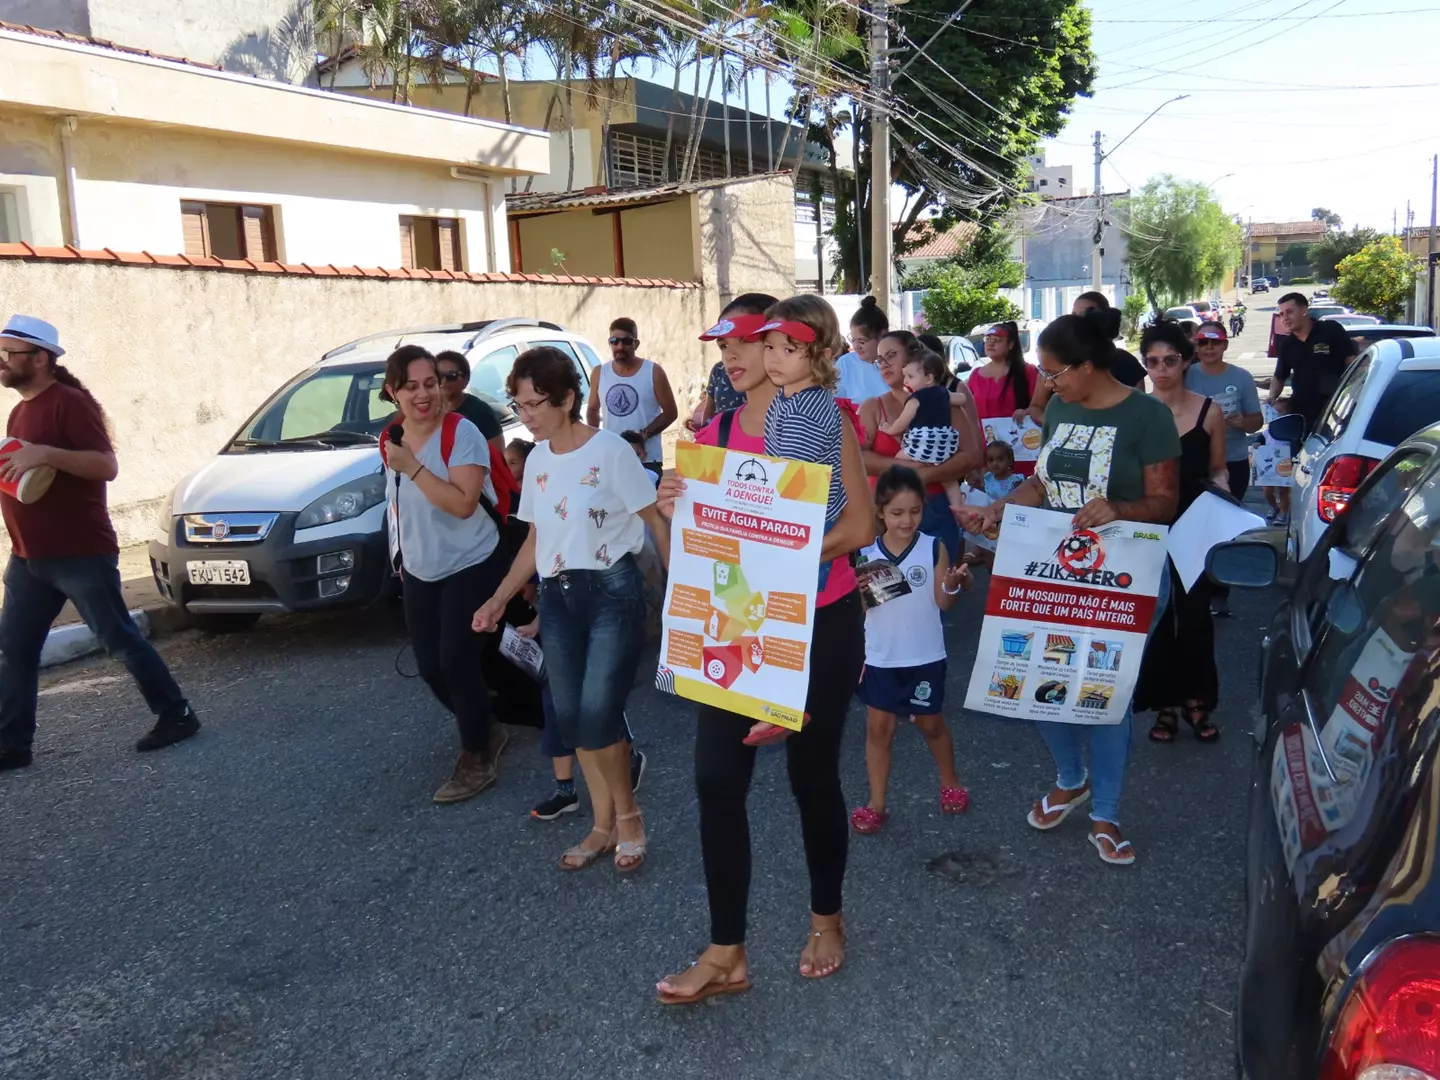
(905, 645)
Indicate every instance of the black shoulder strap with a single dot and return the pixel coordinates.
(727, 423)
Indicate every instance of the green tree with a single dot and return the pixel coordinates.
(1132, 312)
(955, 301)
(968, 113)
(1379, 278)
(1325, 255)
(1329, 218)
(1181, 241)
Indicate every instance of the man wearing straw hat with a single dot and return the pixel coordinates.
(62, 542)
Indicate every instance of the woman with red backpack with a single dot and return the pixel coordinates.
(446, 539)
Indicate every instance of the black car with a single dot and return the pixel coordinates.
(1341, 976)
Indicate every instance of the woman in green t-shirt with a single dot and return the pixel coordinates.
(1110, 453)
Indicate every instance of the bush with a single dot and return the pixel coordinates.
(1133, 311)
(954, 303)
(1303, 279)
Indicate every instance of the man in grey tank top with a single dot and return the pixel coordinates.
(631, 394)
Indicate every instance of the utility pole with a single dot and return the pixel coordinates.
(1430, 262)
(1097, 253)
(1250, 250)
(882, 239)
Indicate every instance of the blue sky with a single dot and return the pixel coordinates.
(1360, 152)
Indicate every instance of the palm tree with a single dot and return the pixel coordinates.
(568, 35)
(675, 46)
(337, 24)
(810, 34)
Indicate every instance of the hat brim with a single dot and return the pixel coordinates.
(19, 335)
(734, 326)
(796, 331)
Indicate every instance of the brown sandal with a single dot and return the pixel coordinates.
(722, 983)
(816, 933)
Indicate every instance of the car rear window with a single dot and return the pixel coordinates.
(1410, 402)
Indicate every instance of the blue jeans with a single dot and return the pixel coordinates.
(594, 623)
(1109, 744)
(551, 745)
(35, 591)
(936, 520)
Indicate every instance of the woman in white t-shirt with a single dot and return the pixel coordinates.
(448, 547)
(588, 499)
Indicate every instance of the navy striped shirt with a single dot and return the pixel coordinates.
(806, 426)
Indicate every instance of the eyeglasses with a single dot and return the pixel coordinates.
(881, 360)
(449, 376)
(7, 353)
(1168, 360)
(622, 341)
(528, 408)
(1051, 378)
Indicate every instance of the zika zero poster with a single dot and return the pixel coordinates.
(1066, 618)
(744, 566)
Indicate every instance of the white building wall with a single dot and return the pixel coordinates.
(330, 208)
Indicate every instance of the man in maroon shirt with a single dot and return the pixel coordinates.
(63, 545)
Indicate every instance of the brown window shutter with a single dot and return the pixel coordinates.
(447, 243)
(196, 229)
(407, 242)
(259, 227)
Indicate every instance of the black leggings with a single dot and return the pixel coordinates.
(723, 765)
(447, 651)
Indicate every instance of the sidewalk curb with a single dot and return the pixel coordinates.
(75, 641)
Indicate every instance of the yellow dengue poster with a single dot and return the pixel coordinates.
(744, 568)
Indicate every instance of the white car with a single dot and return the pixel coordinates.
(1388, 393)
(290, 515)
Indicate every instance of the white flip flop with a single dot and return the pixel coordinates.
(1064, 810)
(1121, 854)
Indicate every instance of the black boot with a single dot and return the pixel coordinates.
(171, 728)
(15, 759)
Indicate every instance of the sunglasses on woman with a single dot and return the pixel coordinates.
(1167, 360)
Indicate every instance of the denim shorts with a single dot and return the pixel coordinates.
(594, 625)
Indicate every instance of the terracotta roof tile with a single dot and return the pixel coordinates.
(1287, 228)
(187, 262)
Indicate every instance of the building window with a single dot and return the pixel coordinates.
(635, 161)
(430, 243)
(228, 231)
(1043, 181)
(9, 217)
(1062, 181)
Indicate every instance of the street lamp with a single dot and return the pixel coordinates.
(1096, 255)
(1212, 183)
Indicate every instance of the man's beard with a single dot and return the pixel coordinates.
(14, 379)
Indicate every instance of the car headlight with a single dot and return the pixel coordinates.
(344, 502)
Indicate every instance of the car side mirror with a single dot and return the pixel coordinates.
(1245, 564)
(1343, 610)
(1288, 428)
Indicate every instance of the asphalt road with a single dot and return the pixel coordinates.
(279, 898)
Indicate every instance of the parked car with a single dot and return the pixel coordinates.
(1389, 392)
(289, 516)
(1204, 309)
(1320, 293)
(1184, 313)
(960, 354)
(1319, 311)
(1353, 320)
(1364, 335)
(1341, 972)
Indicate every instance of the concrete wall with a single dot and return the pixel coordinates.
(583, 238)
(331, 207)
(747, 232)
(180, 358)
(262, 37)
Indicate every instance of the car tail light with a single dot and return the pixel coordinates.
(1342, 477)
(1389, 1027)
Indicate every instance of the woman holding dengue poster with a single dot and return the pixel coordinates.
(1110, 453)
(1004, 385)
(896, 349)
(725, 742)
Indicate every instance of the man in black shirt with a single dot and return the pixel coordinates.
(1313, 356)
(454, 372)
(1123, 365)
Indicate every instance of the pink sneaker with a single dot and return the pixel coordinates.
(865, 820)
(954, 800)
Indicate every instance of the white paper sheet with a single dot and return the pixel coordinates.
(525, 653)
(1210, 520)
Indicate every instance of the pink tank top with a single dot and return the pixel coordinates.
(841, 582)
